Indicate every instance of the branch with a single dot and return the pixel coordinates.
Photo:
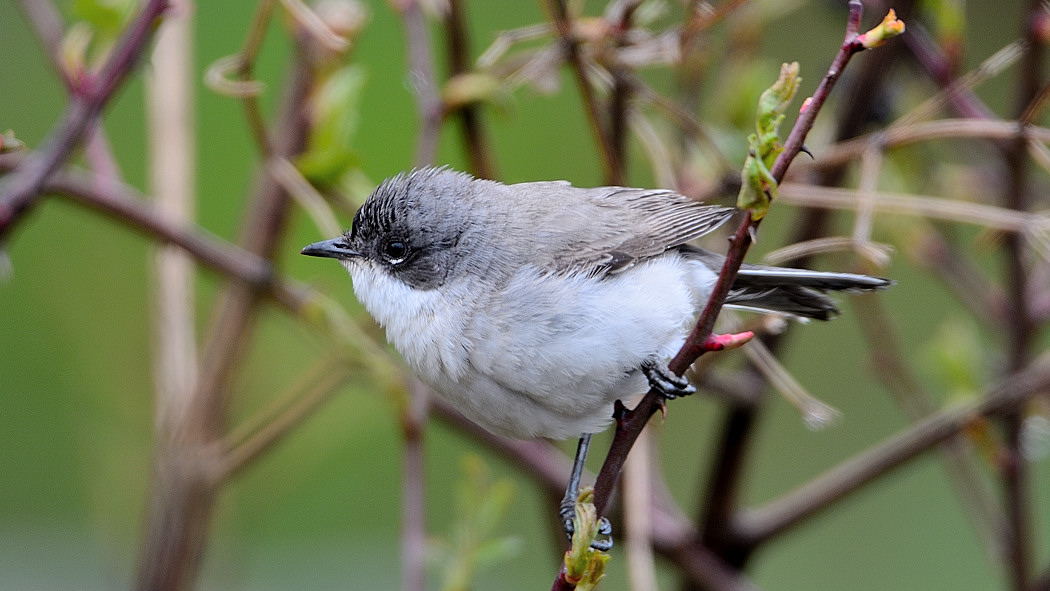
(47, 22)
(760, 525)
(24, 184)
(182, 494)
(424, 80)
(1021, 330)
(559, 14)
(172, 155)
(125, 205)
(478, 148)
(413, 496)
(630, 423)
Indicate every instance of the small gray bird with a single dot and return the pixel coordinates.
(533, 307)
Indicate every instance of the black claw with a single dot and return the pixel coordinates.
(567, 509)
(667, 383)
(601, 544)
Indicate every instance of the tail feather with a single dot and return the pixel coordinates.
(759, 276)
(795, 292)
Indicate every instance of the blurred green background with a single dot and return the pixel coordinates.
(322, 510)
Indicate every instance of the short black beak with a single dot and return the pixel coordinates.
(336, 248)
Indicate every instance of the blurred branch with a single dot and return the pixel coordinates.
(413, 484)
(622, 88)
(22, 187)
(183, 494)
(1021, 330)
(171, 159)
(1031, 225)
(478, 148)
(895, 136)
(570, 47)
(424, 80)
(260, 433)
(126, 206)
(762, 524)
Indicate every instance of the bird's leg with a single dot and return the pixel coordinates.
(665, 381)
(567, 511)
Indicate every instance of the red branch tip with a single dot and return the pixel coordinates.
(724, 342)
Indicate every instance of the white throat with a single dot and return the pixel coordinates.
(421, 324)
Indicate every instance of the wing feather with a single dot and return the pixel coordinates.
(608, 229)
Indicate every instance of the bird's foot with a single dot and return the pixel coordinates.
(665, 381)
(602, 542)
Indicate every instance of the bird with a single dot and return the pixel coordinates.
(533, 307)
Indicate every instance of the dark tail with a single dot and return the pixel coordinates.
(795, 292)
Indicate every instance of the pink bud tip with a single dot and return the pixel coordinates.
(723, 342)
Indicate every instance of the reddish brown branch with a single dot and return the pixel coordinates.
(91, 94)
(630, 423)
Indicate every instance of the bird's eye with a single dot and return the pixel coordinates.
(395, 251)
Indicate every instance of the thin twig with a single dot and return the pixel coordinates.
(245, 65)
(889, 365)
(953, 266)
(260, 433)
(928, 54)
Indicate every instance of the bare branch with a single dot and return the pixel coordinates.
(22, 187)
(761, 524)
